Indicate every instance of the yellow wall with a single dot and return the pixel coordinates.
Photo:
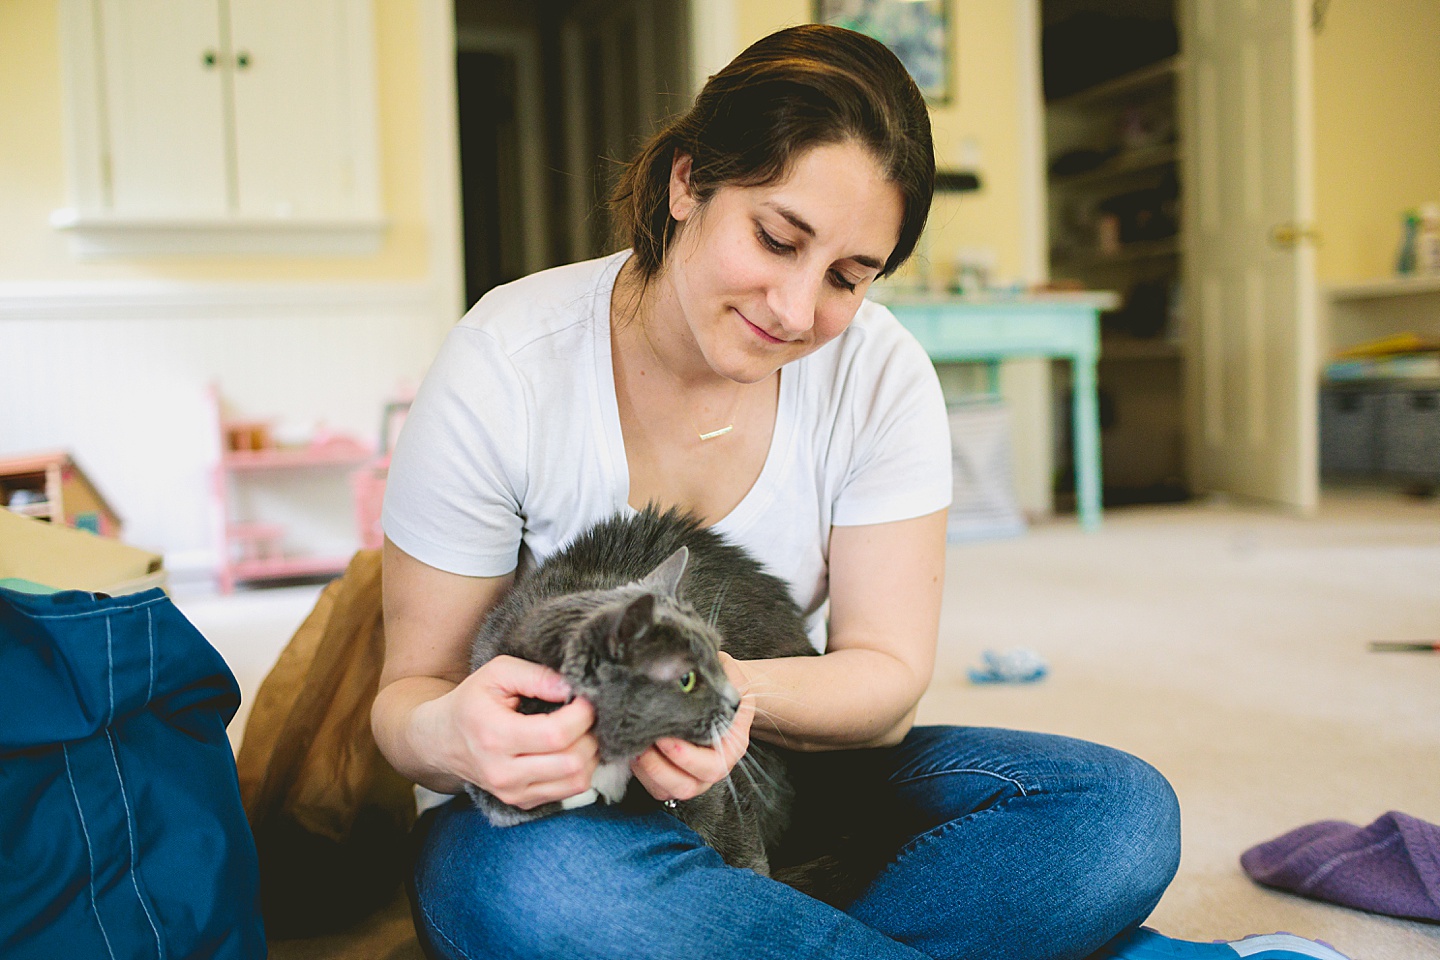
(1377, 131)
(32, 165)
(984, 108)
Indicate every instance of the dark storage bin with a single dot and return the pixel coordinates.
(1350, 430)
(1410, 433)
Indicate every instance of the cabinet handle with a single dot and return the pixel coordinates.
(242, 60)
(209, 58)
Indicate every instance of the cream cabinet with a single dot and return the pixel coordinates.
(221, 126)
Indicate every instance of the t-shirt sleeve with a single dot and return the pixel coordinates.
(457, 475)
(900, 460)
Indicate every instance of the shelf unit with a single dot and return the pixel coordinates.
(1357, 313)
(1114, 199)
(251, 550)
(1380, 431)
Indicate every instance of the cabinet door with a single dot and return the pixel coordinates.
(162, 92)
(301, 85)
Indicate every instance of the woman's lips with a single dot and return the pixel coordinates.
(761, 333)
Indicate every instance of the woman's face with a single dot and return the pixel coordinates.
(765, 275)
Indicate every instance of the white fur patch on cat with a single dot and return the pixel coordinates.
(610, 780)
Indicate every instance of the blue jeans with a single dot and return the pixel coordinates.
(1007, 844)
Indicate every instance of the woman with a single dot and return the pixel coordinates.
(729, 364)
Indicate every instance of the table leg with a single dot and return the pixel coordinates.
(1086, 413)
(992, 378)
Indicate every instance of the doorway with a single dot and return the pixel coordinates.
(552, 98)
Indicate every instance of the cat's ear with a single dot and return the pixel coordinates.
(633, 624)
(666, 577)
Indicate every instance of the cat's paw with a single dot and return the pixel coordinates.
(611, 779)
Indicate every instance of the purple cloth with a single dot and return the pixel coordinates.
(1391, 866)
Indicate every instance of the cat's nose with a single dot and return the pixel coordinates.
(730, 696)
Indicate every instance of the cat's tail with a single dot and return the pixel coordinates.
(831, 879)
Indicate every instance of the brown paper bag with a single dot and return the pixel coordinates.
(330, 815)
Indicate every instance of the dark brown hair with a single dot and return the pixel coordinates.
(803, 87)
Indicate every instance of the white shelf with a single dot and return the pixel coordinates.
(1387, 288)
(103, 234)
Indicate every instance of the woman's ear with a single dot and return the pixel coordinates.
(682, 201)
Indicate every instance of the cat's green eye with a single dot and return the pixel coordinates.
(687, 681)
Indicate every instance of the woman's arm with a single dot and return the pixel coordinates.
(442, 726)
(886, 582)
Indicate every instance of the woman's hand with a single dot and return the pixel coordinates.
(522, 759)
(676, 769)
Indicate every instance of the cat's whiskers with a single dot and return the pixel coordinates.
(717, 740)
(753, 764)
(776, 722)
(765, 689)
(719, 599)
(744, 767)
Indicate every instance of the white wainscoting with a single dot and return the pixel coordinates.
(118, 374)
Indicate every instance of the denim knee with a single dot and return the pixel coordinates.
(1138, 816)
(542, 889)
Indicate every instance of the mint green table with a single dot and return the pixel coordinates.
(990, 329)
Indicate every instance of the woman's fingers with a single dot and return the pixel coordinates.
(512, 678)
(679, 770)
(546, 777)
(523, 759)
(547, 732)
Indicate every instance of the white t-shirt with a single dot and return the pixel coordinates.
(513, 447)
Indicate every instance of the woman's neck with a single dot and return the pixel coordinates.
(649, 325)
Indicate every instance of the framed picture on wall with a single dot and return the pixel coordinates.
(918, 33)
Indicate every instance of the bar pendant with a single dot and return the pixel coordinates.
(717, 433)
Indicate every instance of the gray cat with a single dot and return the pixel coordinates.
(632, 614)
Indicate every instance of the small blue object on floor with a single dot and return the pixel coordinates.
(1010, 666)
(1146, 944)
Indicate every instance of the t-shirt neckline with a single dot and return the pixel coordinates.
(761, 492)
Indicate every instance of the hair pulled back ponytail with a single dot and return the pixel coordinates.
(803, 87)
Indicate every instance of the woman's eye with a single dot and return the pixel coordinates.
(687, 681)
(840, 281)
(770, 243)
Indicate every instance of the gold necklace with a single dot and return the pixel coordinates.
(734, 401)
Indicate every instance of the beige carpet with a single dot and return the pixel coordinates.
(1228, 648)
(1225, 645)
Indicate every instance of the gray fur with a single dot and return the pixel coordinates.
(623, 613)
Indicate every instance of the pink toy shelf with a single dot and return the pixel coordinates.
(252, 550)
(368, 483)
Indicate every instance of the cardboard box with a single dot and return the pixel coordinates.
(67, 559)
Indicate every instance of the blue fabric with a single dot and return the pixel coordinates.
(1020, 845)
(121, 829)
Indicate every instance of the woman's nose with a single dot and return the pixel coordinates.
(794, 300)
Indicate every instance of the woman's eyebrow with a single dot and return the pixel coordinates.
(799, 224)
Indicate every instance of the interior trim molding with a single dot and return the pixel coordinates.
(188, 300)
(93, 236)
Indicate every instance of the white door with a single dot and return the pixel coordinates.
(1250, 285)
(162, 86)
